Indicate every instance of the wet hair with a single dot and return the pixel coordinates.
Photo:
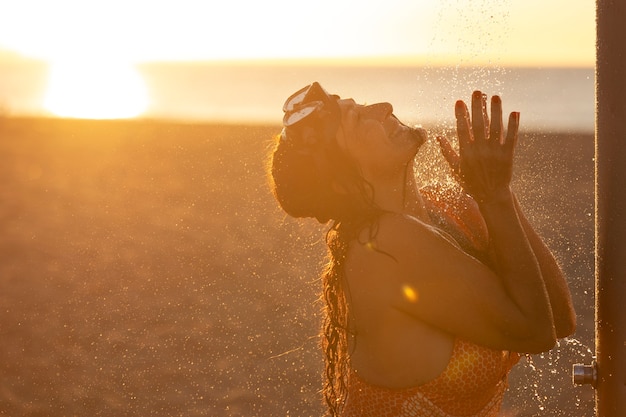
(311, 176)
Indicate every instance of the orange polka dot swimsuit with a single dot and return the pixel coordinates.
(473, 384)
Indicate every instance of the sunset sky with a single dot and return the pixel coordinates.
(513, 32)
(91, 47)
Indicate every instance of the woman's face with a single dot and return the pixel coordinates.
(375, 137)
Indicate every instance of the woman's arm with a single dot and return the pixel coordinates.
(419, 271)
(560, 298)
(517, 265)
(485, 170)
(484, 167)
(564, 315)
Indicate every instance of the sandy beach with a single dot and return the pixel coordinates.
(145, 270)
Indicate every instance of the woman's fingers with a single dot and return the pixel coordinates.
(480, 120)
(511, 133)
(480, 131)
(449, 154)
(495, 131)
(484, 164)
(463, 125)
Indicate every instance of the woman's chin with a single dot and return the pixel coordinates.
(418, 136)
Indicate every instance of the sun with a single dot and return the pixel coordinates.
(95, 90)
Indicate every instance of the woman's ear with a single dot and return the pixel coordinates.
(339, 188)
(344, 188)
(340, 138)
(309, 136)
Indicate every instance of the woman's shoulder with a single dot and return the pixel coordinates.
(400, 226)
(377, 259)
(396, 233)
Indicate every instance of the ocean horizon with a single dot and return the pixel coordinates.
(549, 99)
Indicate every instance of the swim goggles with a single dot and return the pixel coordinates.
(312, 105)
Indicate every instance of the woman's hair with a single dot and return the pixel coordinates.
(311, 176)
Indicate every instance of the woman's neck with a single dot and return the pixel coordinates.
(414, 204)
(399, 194)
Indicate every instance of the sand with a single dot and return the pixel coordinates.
(145, 270)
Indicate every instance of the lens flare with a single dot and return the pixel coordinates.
(410, 293)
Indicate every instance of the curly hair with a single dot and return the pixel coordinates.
(314, 178)
(335, 327)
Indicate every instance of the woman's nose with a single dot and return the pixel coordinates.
(378, 111)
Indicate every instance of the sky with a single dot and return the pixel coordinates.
(508, 32)
(91, 47)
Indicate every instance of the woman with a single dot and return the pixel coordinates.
(428, 299)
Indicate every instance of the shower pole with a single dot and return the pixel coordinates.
(610, 201)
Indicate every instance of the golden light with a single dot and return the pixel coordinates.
(532, 32)
(95, 90)
(410, 293)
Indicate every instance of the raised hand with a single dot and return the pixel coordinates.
(484, 165)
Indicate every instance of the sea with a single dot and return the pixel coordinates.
(549, 99)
